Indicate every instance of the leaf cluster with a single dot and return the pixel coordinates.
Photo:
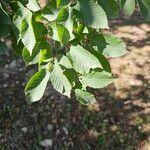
(66, 39)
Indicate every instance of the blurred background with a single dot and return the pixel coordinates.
(120, 120)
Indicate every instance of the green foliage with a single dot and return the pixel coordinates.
(84, 97)
(128, 6)
(110, 7)
(145, 8)
(36, 86)
(59, 81)
(67, 40)
(97, 79)
(92, 14)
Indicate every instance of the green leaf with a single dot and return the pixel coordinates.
(102, 59)
(64, 61)
(63, 34)
(36, 57)
(62, 2)
(98, 42)
(104, 62)
(54, 33)
(59, 33)
(36, 86)
(128, 6)
(111, 7)
(72, 76)
(115, 46)
(84, 97)
(62, 15)
(79, 30)
(30, 59)
(92, 14)
(145, 8)
(62, 29)
(33, 5)
(82, 60)
(97, 79)
(109, 45)
(69, 23)
(45, 60)
(23, 22)
(60, 81)
(27, 35)
(46, 55)
(65, 18)
(37, 26)
(50, 13)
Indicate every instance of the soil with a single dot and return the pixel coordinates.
(120, 120)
